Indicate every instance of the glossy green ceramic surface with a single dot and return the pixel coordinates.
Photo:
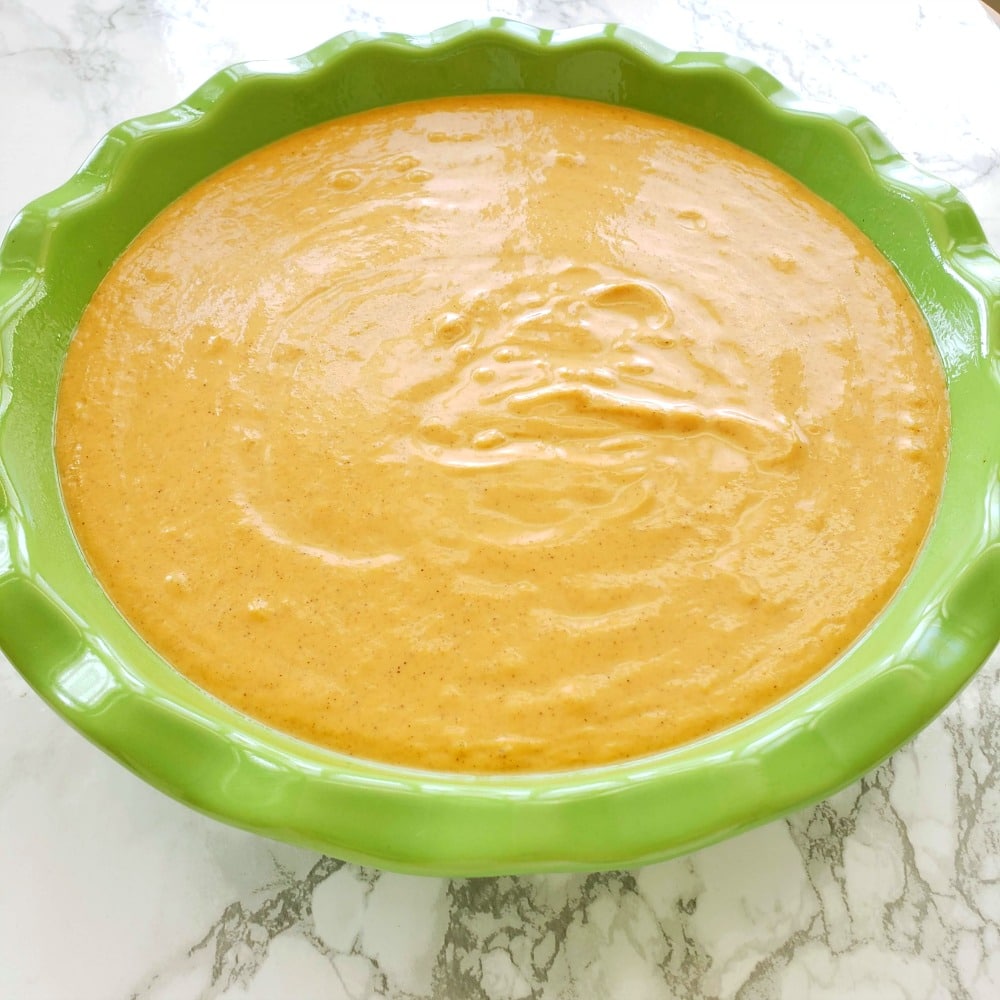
(62, 633)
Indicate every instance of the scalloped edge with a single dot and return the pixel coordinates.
(583, 820)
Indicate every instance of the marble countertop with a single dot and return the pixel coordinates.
(891, 889)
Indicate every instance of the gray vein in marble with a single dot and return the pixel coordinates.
(239, 940)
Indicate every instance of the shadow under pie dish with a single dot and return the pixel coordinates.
(73, 645)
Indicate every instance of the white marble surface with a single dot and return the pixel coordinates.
(889, 890)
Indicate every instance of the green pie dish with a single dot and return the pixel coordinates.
(60, 630)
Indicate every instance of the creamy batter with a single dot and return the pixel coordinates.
(501, 434)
